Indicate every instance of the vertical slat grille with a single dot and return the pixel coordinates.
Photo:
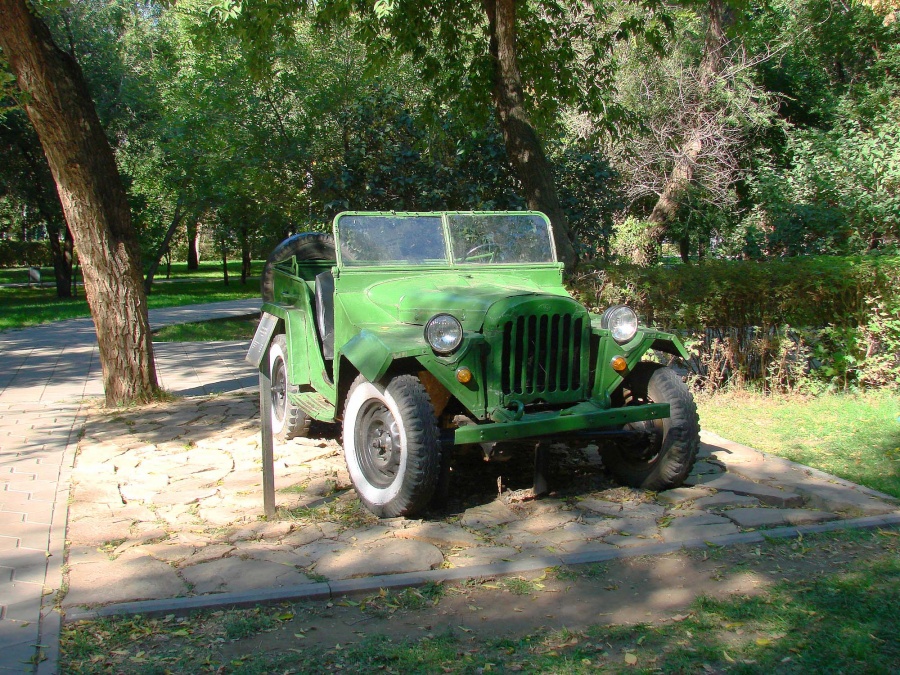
(541, 354)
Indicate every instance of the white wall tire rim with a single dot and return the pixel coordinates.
(361, 394)
(276, 354)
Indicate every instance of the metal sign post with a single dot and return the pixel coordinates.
(258, 354)
(265, 427)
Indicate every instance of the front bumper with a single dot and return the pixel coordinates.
(581, 417)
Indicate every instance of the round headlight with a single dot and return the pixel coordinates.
(444, 333)
(621, 321)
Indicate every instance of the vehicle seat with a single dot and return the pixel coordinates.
(325, 312)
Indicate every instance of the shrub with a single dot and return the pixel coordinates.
(796, 323)
(25, 253)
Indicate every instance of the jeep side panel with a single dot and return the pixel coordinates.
(293, 295)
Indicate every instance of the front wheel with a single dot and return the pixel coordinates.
(392, 445)
(666, 455)
(288, 420)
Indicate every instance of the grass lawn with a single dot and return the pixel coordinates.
(209, 331)
(208, 270)
(21, 307)
(828, 603)
(19, 275)
(856, 437)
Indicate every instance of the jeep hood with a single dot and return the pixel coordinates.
(467, 297)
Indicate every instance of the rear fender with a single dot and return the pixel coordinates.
(307, 367)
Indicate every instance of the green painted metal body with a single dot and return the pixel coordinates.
(540, 362)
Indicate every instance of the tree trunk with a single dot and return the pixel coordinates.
(193, 249)
(245, 255)
(58, 232)
(92, 196)
(163, 246)
(224, 262)
(523, 148)
(684, 248)
(666, 208)
(62, 247)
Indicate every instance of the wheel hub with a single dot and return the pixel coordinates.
(377, 442)
(646, 446)
(279, 389)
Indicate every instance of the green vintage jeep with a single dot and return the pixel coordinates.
(425, 331)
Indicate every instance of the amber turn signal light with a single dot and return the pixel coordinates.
(619, 364)
(463, 375)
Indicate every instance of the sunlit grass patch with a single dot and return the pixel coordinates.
(854, 436)
(209, 331)
(21, 307)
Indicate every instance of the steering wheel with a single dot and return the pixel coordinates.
(485, 251)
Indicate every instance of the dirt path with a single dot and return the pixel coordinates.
(827, 603)
(641, 590)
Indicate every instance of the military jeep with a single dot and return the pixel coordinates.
(420, 332)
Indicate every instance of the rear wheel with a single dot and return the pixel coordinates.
(392, 445)
(666, 453)
(288, 420)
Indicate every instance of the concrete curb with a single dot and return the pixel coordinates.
(369, 585)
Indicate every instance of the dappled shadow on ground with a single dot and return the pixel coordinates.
(30, 371)
(174, 489)
(814, 605)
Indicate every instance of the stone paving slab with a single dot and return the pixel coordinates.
(751, 518)
(166, 502)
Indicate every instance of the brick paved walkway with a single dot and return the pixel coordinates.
(47, 373)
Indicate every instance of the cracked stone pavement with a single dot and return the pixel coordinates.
(166, 503)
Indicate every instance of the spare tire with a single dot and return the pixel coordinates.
(306, 246)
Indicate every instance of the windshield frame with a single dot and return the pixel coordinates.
(450, 260)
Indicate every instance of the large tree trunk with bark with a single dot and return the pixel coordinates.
(666, 208)
(92, 196)
(523, 148)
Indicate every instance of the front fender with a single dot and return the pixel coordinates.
(606, 379)
(661, 342)
(372, 353)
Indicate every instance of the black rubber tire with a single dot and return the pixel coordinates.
(667, 460)
(306, 246)
(400, 479)
(288, 421)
